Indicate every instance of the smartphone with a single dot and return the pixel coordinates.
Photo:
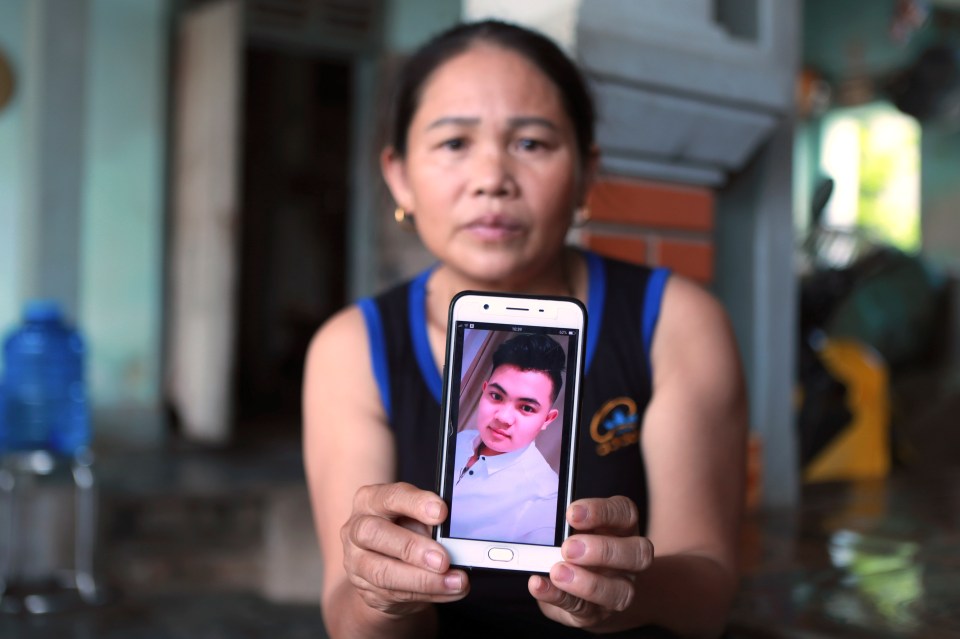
(511, 409)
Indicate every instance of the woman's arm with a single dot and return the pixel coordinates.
(381, 569)
(693, 438)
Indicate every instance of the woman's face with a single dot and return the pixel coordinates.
(492, 167)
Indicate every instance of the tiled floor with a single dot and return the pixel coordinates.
(196, 615)
(186, 536)
(873, 560)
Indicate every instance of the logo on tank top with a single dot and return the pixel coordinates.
(615, 425)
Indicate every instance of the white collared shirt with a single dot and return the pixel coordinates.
(511, 497)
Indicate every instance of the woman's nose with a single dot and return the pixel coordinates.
(492, 173)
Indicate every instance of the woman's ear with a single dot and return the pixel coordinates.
(394, 170)
(591, 166)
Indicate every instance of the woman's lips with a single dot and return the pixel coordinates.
(494, 228)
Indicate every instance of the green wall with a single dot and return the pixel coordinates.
(122, 277)
(121, 281)
(12, 17)
(409, 23)
(121, 212)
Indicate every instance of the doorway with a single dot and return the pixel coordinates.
(293, 226)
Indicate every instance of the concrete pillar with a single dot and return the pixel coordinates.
(555, 18)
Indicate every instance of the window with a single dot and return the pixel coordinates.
(873, 155)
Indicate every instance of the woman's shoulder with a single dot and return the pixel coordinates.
(344, 334)
(689, 301)
(695, 334)
(351, 323)
(338, 365)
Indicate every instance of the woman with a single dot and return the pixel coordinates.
(492, 151)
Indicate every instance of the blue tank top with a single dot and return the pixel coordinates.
(623, 305)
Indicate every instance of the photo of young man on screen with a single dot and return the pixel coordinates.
(504, 490)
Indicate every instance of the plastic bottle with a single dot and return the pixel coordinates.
(46, 399)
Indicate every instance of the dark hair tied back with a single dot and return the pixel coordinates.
(540, 50)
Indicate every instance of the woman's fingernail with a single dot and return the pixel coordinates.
(574, 549)
(539, 584)
(434, 559)
(562, 574)
(578, 513)
(453, 582)
(433, 510)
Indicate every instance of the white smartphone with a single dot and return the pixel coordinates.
(511, 409)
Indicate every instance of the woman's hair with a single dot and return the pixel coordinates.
(535, 47)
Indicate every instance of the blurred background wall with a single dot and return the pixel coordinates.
(91, 150)
(89, 173)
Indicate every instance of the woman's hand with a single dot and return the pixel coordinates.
(596, 578)
(388, 554)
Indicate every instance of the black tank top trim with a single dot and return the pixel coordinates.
(417, 314)
(378, 351)
(652, 301)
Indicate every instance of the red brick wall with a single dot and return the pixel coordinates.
(653, 223)
(661, 225)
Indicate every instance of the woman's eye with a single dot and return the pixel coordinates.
(528, 144)
(454, 144)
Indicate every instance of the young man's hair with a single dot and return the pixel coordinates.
(533, 352)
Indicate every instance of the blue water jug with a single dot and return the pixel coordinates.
(45, 395)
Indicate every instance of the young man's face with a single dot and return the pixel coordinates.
(514, 407)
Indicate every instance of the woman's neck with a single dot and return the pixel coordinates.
(564, 276)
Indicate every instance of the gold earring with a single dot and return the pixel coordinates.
(403, 218)
(581, 216)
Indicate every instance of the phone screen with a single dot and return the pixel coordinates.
(510, 409)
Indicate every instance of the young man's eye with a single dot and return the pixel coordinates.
(495, 396)
(527, 408)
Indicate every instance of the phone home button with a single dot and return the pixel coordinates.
(500, 554)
